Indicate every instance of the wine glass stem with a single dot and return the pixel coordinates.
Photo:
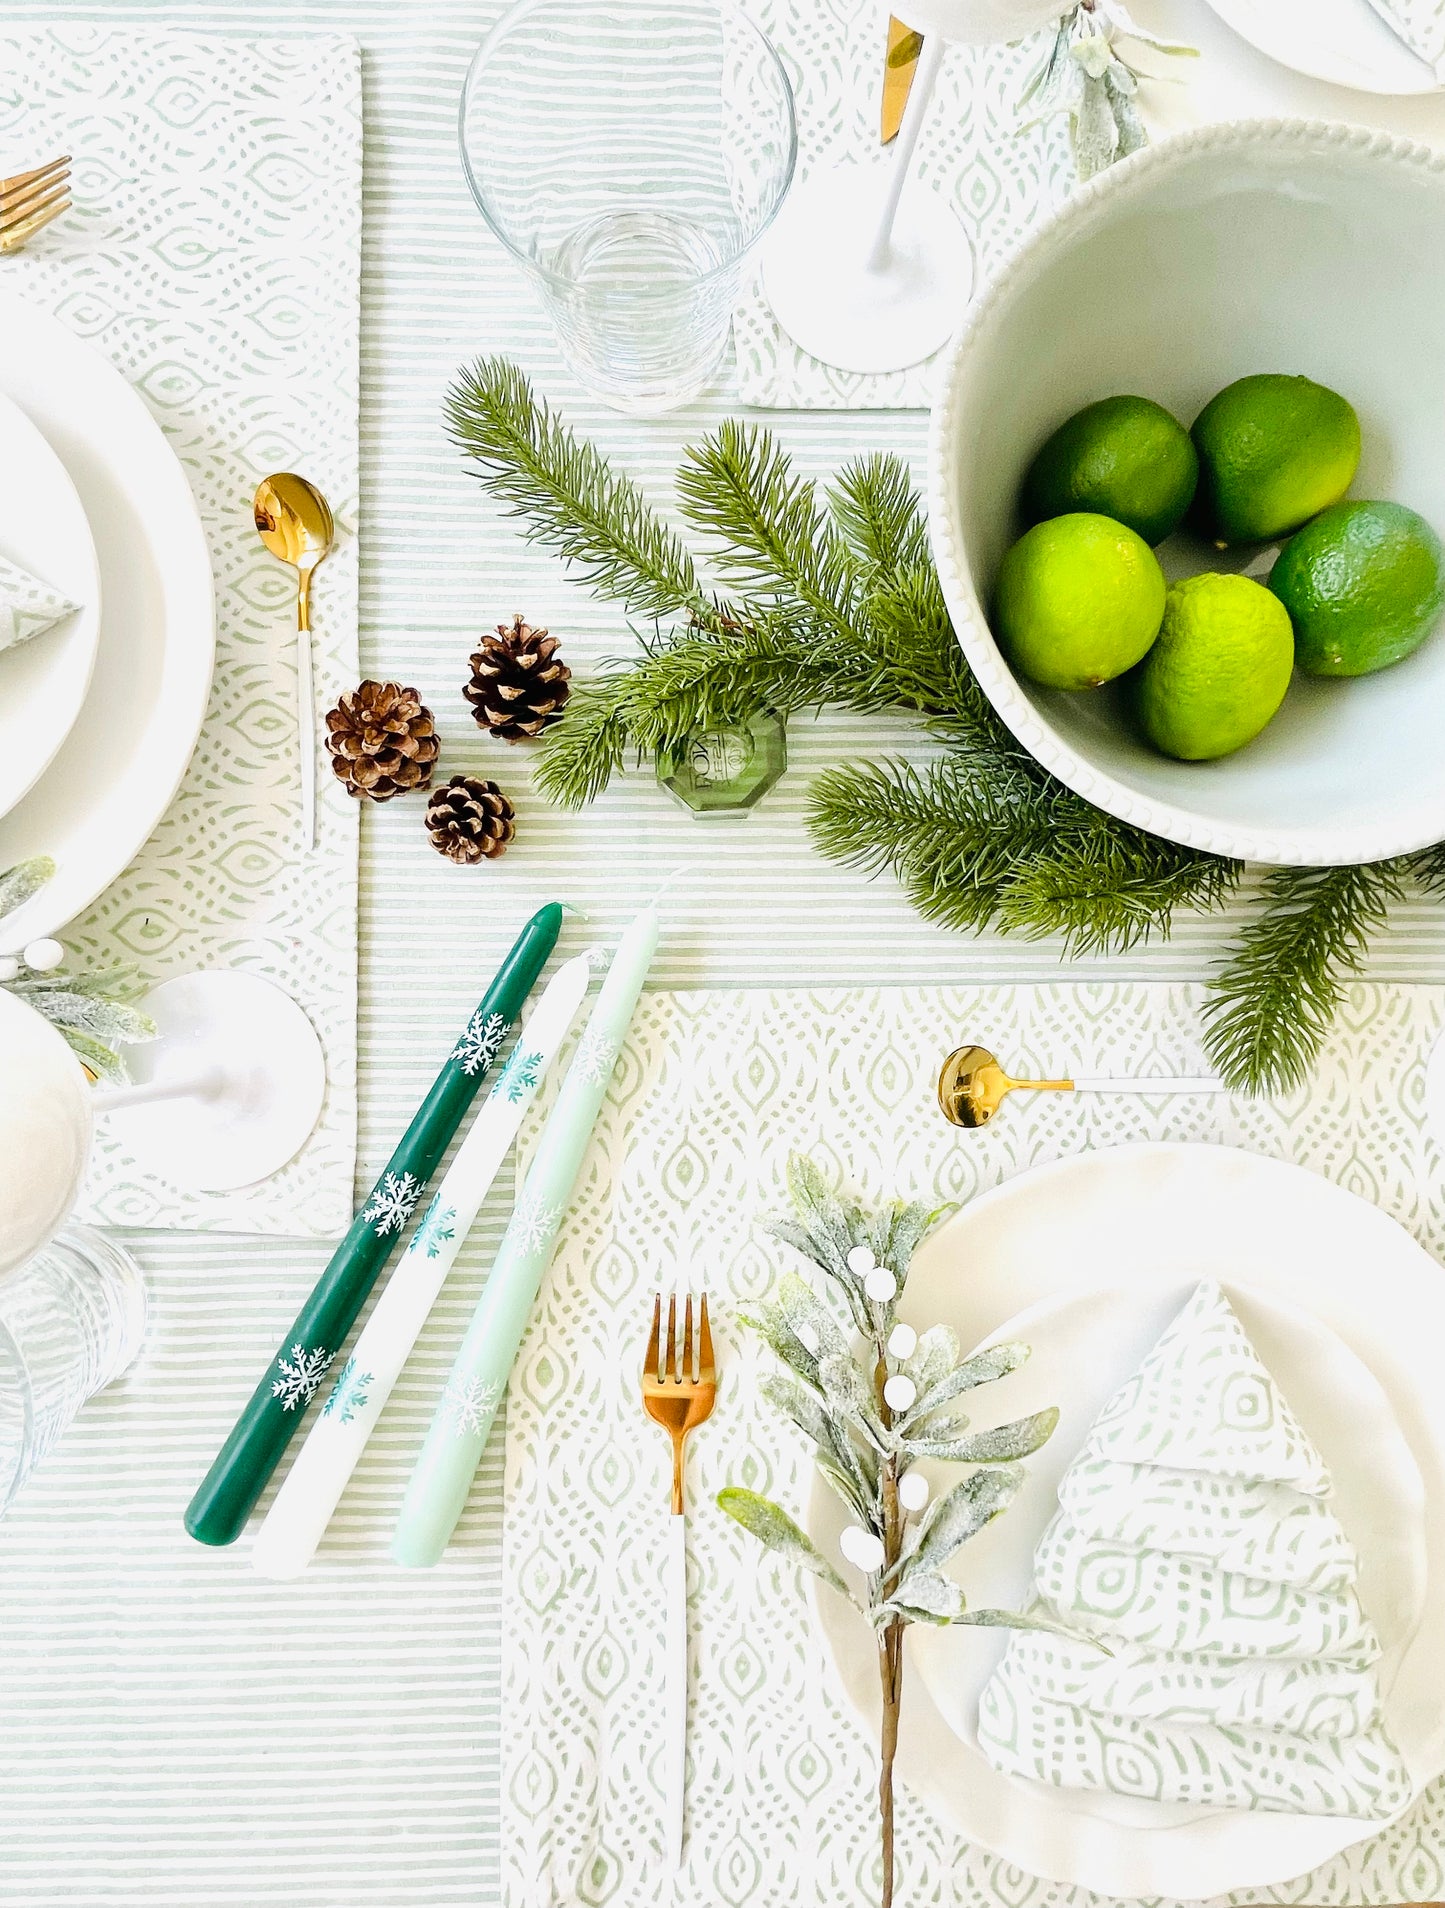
(189, 1086)
(920, 93)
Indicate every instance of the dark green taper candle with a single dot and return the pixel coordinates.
(217, 1513)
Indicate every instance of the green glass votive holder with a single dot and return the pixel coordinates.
(722, 772)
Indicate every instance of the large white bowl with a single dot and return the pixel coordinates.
(1265, 245)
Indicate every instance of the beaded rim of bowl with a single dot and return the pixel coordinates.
(1296, 847)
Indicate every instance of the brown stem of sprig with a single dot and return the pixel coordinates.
(890, 1647)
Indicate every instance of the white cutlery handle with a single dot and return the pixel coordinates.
(1143, 1083)
(306, 720)
(675, 1697)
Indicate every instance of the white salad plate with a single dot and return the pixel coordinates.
(43, 529)
(1088, 1260)
(1344, 42)
(113, 777)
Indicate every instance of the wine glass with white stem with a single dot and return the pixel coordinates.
(861, 273)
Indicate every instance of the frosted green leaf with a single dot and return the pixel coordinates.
(963, 1512)
(17, 884)
(927, 1594)
(1027, 1620)
(935, 1354)
(103, 1061)
(997, 1362)
(1002, 1445)
(848, 1395)
(773, 1527)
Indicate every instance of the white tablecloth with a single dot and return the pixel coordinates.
(172, 1730)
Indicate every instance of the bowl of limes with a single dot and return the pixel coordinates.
(1187, 489)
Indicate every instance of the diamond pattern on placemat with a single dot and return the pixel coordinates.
(217, 219)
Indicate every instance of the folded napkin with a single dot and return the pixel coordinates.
(1258, 1530)
(1194, 1542)
(1226, 1768)
(27, 606)
(1313, 1696)
(1202, 1401)
(1421, 25)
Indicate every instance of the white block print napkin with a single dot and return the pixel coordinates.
(1222, 1688)
(27, 606)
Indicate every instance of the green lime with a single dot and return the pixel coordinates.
(1364, 584)
(1125, 457)
(1219, 670)
(1079, 601)
(1273, 452)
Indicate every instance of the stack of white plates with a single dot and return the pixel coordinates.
(98, 716)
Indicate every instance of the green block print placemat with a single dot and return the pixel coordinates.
(711, 1094)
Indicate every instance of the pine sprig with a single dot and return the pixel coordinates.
(568, 498)
(769, 533)
(1272, 1004)
(988, 840)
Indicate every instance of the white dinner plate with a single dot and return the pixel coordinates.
(1099, 1252)
(1344, 42)
(43, 529)
(113, 777)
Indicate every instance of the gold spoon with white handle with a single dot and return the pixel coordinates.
(972, 1086)
(295, 523)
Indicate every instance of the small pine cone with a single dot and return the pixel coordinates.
(519, 685)
(469, 820)
(381, 740)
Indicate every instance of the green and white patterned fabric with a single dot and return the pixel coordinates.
(1223, 1688)
(27, 606)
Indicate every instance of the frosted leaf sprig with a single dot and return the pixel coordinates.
(1088, 75)
(92, 1010)
(875, 1398)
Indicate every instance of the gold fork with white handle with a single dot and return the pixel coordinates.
(679, 1390)
(30, 200)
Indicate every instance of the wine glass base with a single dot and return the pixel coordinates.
(822, 292)
(264, 1078)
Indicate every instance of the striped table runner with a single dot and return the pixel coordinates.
(173, 1731)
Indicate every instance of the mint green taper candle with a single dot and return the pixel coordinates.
(228, 1493)
(437, 1492)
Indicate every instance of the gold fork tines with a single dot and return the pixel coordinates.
(30, 200)
(679, 1379)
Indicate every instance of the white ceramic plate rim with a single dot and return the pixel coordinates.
(1202, 1857)
(1374, 62)
(1069, 226)
(134, 490)
(59, 662)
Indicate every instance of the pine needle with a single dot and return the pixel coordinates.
(1272, 1004)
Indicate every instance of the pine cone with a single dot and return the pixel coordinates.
(382, 741)
(469, 820)
(519, 685)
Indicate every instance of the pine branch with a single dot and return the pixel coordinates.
(739, 488)
(985, 838)
(568, 497)
(880, 516)
(1271, 1006)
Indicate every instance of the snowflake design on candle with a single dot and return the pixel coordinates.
(534, 1222)
(481, 1043)
(469, 1404)
(349, 1394)
(393, 1200)
(519, 1076)
(299, 1375)
(596, 1057)
(435, 1228)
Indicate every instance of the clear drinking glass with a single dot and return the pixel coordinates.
(71, 1320)
(630, 156)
